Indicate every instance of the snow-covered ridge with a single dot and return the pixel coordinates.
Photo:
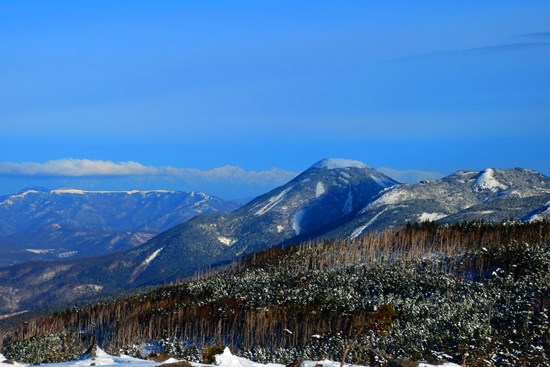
(15, 197)
(339, 163)
(83, 192)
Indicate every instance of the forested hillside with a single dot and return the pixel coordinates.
(470, 293)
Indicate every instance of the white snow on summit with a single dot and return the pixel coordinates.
(487, 181)
(339, 163)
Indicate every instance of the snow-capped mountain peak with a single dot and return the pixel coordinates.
(339, 163)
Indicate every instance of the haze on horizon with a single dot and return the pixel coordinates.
(428, 86)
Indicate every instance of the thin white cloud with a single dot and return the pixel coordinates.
(77, 168)
(229, 182)
(98, 168)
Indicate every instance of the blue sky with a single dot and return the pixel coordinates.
(427, 85)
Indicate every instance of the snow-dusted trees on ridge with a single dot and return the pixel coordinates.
(470, 292)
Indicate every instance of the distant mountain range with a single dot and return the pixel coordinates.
(39, 224)
(334, 198)
(228, 182)
(410, 176)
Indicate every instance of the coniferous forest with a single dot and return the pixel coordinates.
(473, 293)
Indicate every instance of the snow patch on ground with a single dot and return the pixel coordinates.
(484, 212)
(348, 205)
(296, 221)
(339, 163)
(325, 363)
(430, 217)
(6, 364)
(152, 256)
(226, 359)
(487, 181)
(226, 241)
(320, 189)
(273, 201)
(141, 267)
(101, 359)
(280, 228)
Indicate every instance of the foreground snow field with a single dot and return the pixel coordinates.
(222, 360)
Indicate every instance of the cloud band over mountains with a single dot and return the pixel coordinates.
(226, 181)
(98, 168)
(78, 168)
